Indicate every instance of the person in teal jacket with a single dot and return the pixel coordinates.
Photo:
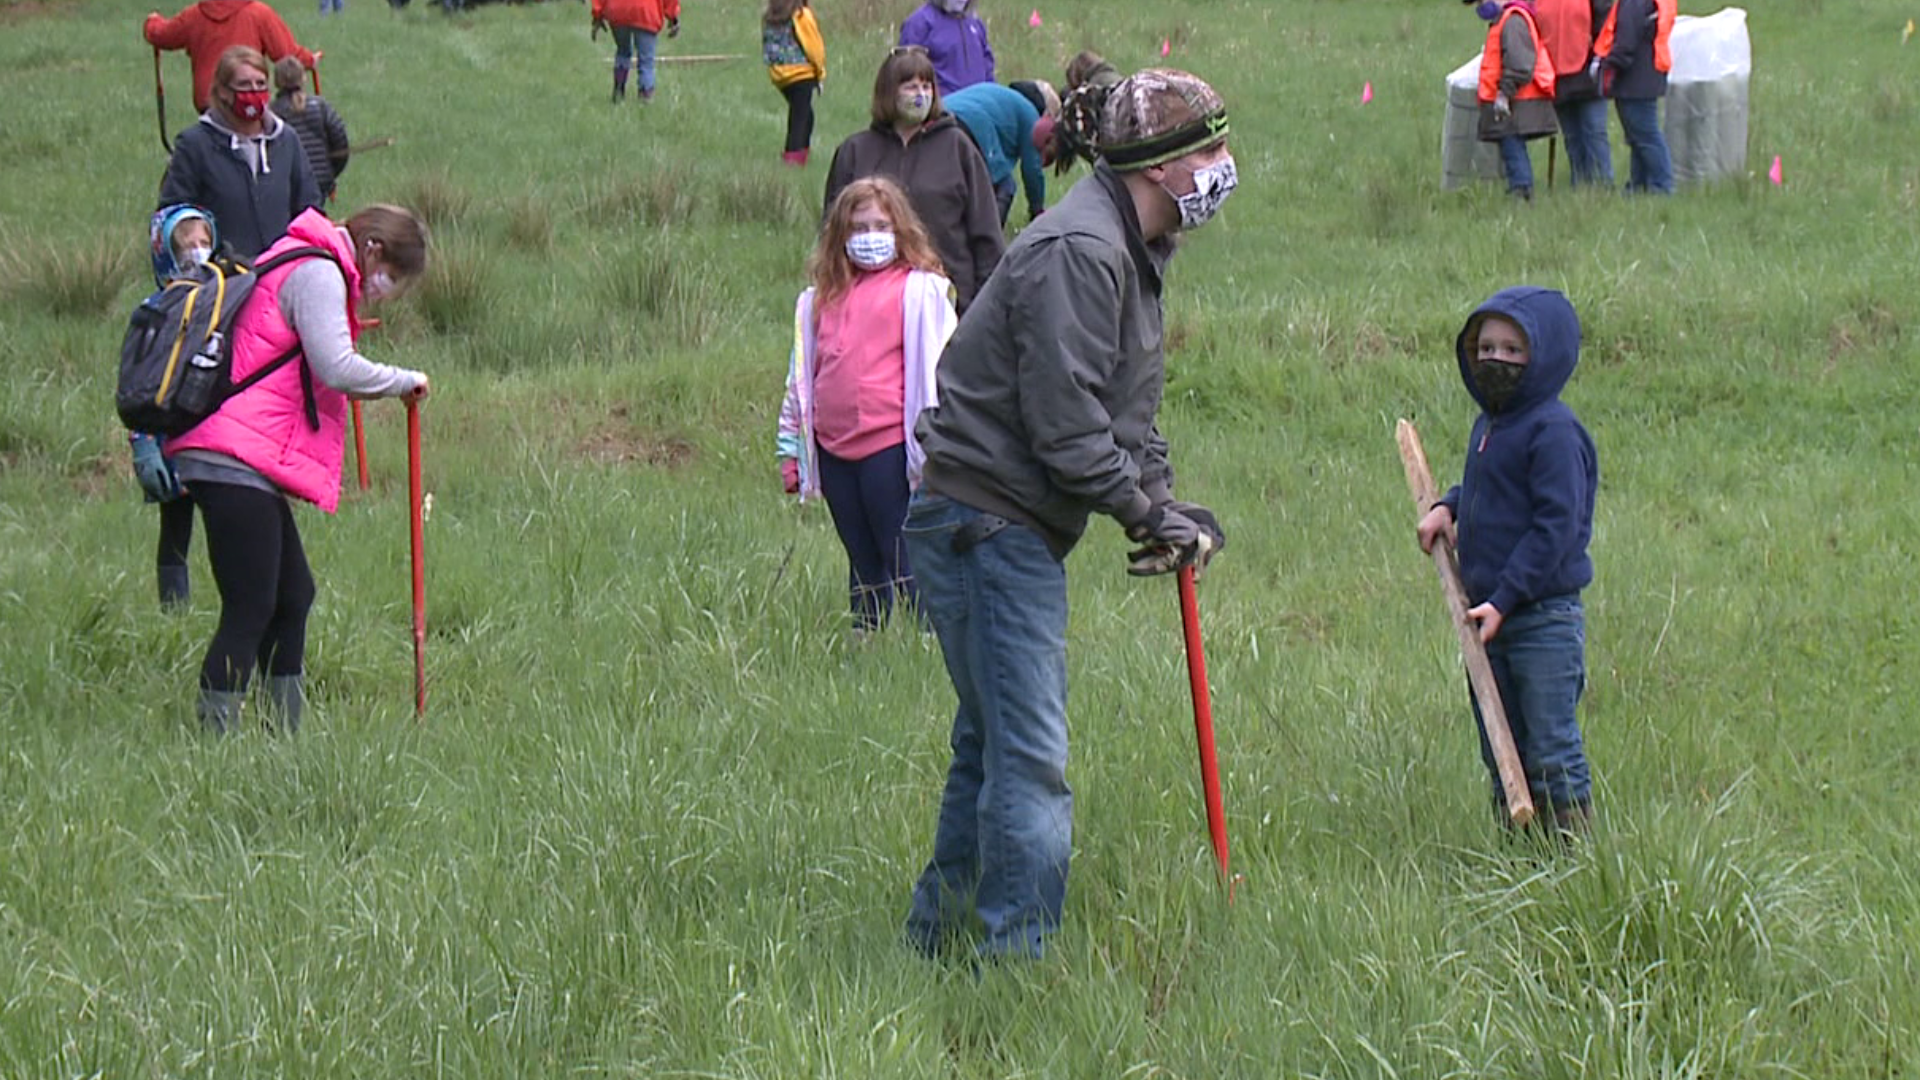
(1001, 121)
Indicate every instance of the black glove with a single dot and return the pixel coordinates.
(1502, 109)
(673, 28)
(598, 25)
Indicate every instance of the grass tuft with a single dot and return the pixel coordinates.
(439, 200)
(72, 280)
(530, 224)
(756, 199)
(458, 291)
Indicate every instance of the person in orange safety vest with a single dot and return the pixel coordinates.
(1516, 88)
(1632, 56)
(1567, 29)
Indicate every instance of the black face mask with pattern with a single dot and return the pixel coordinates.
(1496, 380)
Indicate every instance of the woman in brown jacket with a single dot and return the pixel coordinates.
(920, 146)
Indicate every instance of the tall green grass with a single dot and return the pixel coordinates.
(664, 813)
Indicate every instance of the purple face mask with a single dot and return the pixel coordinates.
(1488, 10)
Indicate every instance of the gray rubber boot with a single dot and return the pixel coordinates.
(220, 710)
(286, 702)
(174, 591)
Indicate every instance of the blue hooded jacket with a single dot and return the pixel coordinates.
(1524, 507)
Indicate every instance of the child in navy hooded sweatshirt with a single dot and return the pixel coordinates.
(1523, 512)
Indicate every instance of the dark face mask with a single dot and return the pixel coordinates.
(1496, 380)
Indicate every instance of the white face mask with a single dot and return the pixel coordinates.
(1211, 186)
(377, 286)
(954, 7)
(870, 250)
(195, 256)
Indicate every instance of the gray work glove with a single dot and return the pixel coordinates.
(1170, 538)
(1502, 109)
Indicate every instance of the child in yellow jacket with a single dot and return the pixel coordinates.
(796, 62)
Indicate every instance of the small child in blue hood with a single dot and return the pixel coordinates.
(179, 238)
(1523, 515)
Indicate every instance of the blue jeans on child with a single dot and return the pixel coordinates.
(1005, 831)
(1539, 660)
(1515, 163)
(1583, 127)
(1651, 167)
(634, 47)
(868, 499)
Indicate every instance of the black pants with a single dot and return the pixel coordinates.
(176, 532)
(265, 586)
(800, 114)
(868, 499)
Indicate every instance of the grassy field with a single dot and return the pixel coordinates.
(663, 816)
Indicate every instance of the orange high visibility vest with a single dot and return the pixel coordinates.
(1664, 12)
(1540, 86)
(1566, 29)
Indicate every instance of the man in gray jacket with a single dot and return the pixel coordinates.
(1047, 398)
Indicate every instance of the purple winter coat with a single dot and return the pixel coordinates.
(957, 45)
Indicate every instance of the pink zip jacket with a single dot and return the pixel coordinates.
(928, 319)
(266, 426)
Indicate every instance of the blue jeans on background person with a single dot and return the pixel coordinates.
(1583, 127)
(1539, 661)
(1005, 830)
(634, 48)
(1003, 196)
(1517, 166)
(868, 499)
(1651, 167)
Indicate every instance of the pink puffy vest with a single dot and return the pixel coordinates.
(266, 426)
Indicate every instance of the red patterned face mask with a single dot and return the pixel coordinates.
(250, 104)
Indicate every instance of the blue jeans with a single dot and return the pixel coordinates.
(1583, 127)
(1003, 196)
(1005, 831)
(1539, 660)
(868, 498)
(1516, 164)
(1651, 167)
(634, 47)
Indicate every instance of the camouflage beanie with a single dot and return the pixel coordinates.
(1156, 115)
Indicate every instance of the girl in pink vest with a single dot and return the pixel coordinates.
(284, 436)
(865, 339)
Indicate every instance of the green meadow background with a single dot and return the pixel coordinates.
(662, 817)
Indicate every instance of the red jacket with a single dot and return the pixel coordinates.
(211, 27)
(648, 15)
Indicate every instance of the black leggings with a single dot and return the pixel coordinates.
(800, 114)
(265, 586)
(176, 532)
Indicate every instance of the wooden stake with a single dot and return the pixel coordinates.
(1486, 691)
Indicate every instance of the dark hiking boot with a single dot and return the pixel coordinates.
(219, 710)
(286, 703)
(175, 588)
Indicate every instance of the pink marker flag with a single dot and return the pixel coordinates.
(1166, 46)
(1366, 92)
(1034, 19)
(1773, 174)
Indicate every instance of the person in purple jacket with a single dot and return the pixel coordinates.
(955, 39)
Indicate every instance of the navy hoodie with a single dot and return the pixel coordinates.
(1524, 506)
